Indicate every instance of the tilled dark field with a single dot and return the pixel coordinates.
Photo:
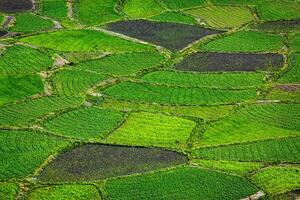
(94, 162)
(208, 62)
(10, 6)
(278, 26)
(173, 36)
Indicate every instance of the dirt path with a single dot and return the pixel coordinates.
(255, 196)
(8, 21)
(70, 9)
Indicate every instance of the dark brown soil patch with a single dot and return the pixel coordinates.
(208, 62)
(3, 33)
(11, 6)
(94, 162)
(288, 88)
(173, 36)
(278, 26)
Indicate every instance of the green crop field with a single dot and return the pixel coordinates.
(149, 99)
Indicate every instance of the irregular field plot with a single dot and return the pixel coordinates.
(246, 41)
(178, 4)
(278, 26)
(280, 150)
(271, 179)
(23, 151)
(173, 36)
(143, 92)
(23, 113)
(123, 64)
(224, 80)
(86, 40)
(54, 8)
(223, 16)
(284, 92)
(182, 183)
(209, 62)
(141, 8)
(75, 82)
(20, 86)
(78, 192)
(19, 59)
(255, 122)
(293, 74)
(237, 2)
(94, 12)
(85, 123)
(172, 16)
(9, 6)
(94, 162)
(147, 129)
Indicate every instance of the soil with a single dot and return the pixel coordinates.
(12, 6)
(216, 62)
(3, 33)
(289, 88)
(173, 36)
(278, 26)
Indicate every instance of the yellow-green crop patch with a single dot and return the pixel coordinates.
(141, 8)
(147, 129)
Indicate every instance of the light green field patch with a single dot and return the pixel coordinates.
(141, 8)
(8, 191)
(147, 129)
(29, 23)
(232, 167)
(91, 123)
(237, 2)
(172, 16)
(86, 40)
(54, 8)
(63, 192)
(179, 4)
(278, 179)
(246, 41)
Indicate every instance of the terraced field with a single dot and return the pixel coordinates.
(155, 99)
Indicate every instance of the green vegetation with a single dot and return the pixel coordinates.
(86, 40)
(19, 59)
(54, 8)
(141, 8)
(147, 129)
(295, 43)
(223, 80)
(123, 64)
(29, 23)
(91, 123)
(72, 82)
(254, 122)
(232, 167)
(293, 74)
(16, 87)
(284, 92)
(148, 93)
(172, 16)
(93, 12)
(246, 41)
(278, 179)
(8, 191)
(217, 16)
(62, 192)
(178, 4)
(23, 151)
(277, 150)
(237, 2)
(27, 111)
(182, 183)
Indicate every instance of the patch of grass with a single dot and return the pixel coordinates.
(86, 40)
(147, 129)
(246, 41)
(27, 111)
(77, 57)
(19, 59)
(72, 82)
(94, 162)
(182, 183)
(90, 123)
(54, 8)
(23, 151)
(8, 191)
(284, 150)
(224, 80)
(219, 17)
(29, 23)
(254, 122)
(293, 74)
(93, 12)
(172, 16)
(143, 92)
(237, 2)
(178, 4)
(278, 179)
(295, 43)
(203, 112)
(17, 87)
(232, 167)
(61, 192)
(141, 9)
(123, 64)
